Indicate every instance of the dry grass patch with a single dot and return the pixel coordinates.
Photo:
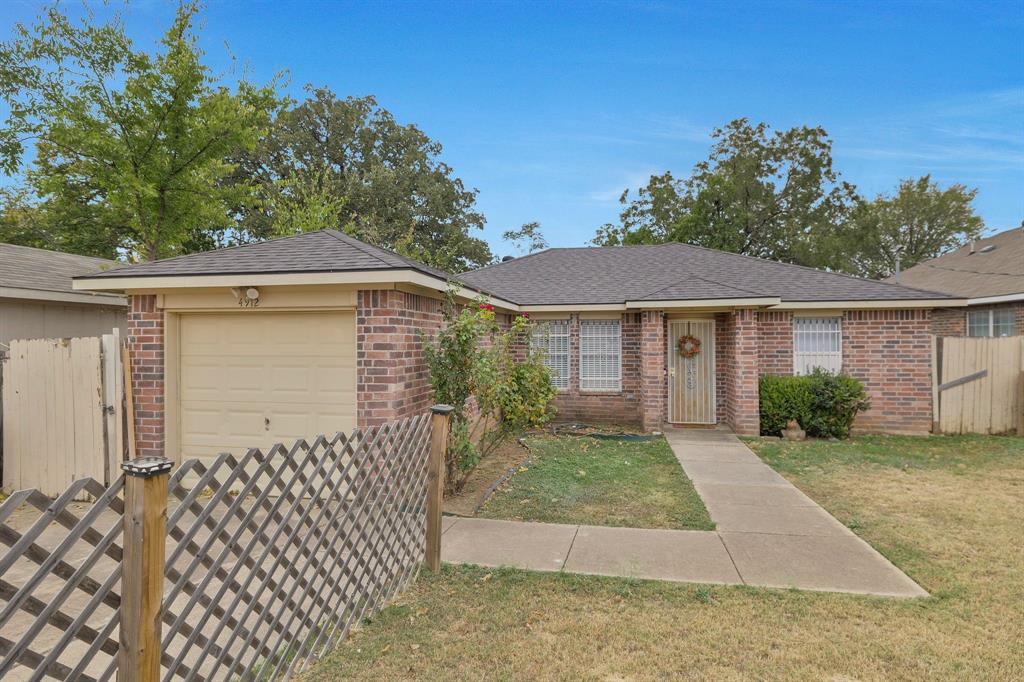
(956, 530)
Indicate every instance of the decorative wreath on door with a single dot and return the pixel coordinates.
(688, 345)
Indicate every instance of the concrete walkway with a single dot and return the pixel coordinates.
(769, 534)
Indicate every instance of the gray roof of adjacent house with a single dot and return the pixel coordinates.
(993, 266)
(26, 272)
(670, 272)
(321, 251)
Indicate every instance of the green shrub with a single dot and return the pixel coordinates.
(836, 400)
(475, 361)
(824, 404)
(782, 399)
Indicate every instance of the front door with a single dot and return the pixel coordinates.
(691, 371)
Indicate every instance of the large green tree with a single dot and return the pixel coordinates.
(348, 164)
(130, 146)
(760, 192)
(919, 222)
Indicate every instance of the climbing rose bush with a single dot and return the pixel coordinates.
(474, 361)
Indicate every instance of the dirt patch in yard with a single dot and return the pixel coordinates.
(485, 476)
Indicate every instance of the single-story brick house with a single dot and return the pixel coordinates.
(989, 273)
(321, 332)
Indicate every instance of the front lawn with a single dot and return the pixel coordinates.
(948, 511)
(602, 483)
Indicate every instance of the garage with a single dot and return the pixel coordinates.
(254, 378)
(265, 343)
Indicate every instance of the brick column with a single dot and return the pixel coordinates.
(653, 394)
(392, 380)
(146, 345)
(743, 409)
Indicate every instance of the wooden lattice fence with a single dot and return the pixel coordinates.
(265, 561)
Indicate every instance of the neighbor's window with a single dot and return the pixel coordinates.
(817, 342)
(600, 355)
(997, 322)
(552, 336)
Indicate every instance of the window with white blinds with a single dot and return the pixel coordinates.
(997, 322)
(600, 355)
(552, 337)
(817, 342)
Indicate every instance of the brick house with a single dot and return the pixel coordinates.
(321, 332)
(989, 273)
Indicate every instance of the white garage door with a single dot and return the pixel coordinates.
(252, 379)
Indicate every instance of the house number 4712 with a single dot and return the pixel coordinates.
(246, 302)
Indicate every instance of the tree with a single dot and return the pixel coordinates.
(527, 238)
(921, 221)
(130, 146)
(390, 186)
(760, 192)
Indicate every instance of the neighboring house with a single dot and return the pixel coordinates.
(321, 332)
(37, 300)
(989, 273)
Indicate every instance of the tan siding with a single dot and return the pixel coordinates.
(24, 319)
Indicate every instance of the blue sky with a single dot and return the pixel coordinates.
(552, 109)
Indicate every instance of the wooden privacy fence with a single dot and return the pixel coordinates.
(978, 385)
(252, 572)
(63, 412)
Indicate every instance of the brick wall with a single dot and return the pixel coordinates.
(392, 380)
(146, 346)
(652, 355)
(619, 407)
(741, 383)
(775, 341)
(953, 321)
(949, 322)
(890, 351)
(723, 364)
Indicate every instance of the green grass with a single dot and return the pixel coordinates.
(601, 483)
(950, 453)
(946, 511)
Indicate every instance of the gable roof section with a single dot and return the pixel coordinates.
(556, 277)
(321, 251)
(604, 275)
(30, 273)
(995, 268)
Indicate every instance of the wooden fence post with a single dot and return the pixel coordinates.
(142, 568)
(440, 419)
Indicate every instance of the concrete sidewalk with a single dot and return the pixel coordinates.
(769, 534)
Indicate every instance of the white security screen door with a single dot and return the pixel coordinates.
(691, 381)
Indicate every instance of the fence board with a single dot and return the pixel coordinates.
(54, 398)
(271, 558)
(991, 404)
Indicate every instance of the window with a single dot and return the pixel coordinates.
(998, 322)
(600, 355)
(552, 337)
(817, 342)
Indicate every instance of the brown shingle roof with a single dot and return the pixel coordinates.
(24, 267)
(995, 268)
(321, 251)
(554, 277)
(669, 272)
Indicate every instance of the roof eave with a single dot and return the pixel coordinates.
(92, 298)
(873, 304)
(377, 276)
(671, 304)
(1003, 298)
